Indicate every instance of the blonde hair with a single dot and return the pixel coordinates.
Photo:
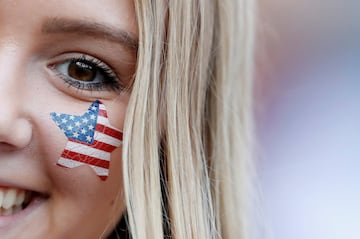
(188, 132)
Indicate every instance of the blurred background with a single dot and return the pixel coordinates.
(308, 116)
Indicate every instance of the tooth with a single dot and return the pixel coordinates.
(7, 212)
(9, 198)
(20, 197)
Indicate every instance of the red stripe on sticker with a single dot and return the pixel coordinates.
(102, 113)
(104, 146)
(109, 131)
(85, 159)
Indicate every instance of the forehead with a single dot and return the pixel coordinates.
(30, 15)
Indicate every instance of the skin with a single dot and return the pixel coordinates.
(79, 204)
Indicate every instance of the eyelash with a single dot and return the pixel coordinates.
(110, 81)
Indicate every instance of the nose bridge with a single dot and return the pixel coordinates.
(10, 58)
(10, 84)
(15, 129)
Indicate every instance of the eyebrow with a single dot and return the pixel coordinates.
(91, 29)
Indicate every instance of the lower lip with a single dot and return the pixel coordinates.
(6, 221)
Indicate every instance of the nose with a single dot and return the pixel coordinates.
(15, 126)
(15, 131)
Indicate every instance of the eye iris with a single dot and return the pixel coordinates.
(81, 71)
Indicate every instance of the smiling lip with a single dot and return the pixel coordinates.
(17, 203)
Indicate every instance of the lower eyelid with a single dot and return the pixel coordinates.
(80, 91)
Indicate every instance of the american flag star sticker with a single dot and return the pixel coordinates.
(91, 139)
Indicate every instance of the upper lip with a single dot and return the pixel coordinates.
(20, 186)
(23, 174)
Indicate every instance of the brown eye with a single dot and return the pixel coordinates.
(87, 73)
(81, 71)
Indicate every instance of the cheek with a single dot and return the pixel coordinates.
(82, 195)
(117, 110)
(91, 139)
(78, 193)
(75, 168)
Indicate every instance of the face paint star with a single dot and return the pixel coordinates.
(93, 147)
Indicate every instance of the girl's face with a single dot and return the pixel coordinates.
(60, 56)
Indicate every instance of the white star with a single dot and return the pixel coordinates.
(75, 135)
(70, 127)
(93, 108)
(77, 124)
(64, 120)
(71, 117)
(91, 127)
(92, 117)
(83, 131)
(85, 120)
(88, 138)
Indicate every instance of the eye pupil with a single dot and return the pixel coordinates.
(82, 71)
